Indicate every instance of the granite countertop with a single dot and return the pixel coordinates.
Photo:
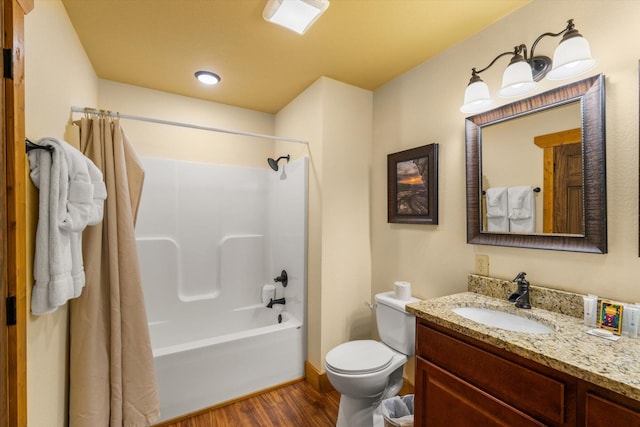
(614, 365)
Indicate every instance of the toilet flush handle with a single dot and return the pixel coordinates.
(368, 304)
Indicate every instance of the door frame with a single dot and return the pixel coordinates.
(13, 220)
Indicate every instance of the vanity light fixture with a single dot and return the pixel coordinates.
(571, 58)
(296, 15)
(207, 77)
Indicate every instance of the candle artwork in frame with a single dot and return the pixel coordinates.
(610, 317)
(412, 186)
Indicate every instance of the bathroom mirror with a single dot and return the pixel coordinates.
(552, 114)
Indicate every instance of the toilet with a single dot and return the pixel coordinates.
(365, 372)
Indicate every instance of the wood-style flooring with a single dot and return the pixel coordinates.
(295, 405)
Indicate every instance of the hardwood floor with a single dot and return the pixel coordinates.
(295, 405)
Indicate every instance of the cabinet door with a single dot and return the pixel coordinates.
(447, 400)
(602, 412)
(519, 384)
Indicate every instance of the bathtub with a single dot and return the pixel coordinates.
(197, 369)
(209, 238)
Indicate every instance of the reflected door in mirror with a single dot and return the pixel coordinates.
(563, 192)
(568, 214)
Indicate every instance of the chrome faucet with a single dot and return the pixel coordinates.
(521, 296)
(276, 301)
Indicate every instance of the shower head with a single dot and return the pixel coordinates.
(274, 163)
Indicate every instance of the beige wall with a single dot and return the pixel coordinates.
(336, 120)
(58, 75)
(302, 119)
(158, 140)
(422, 107)
(346, 246)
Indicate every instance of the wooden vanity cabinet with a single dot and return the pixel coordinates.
(463, 382)
(602, 408)
(468, 383)
(448, 400)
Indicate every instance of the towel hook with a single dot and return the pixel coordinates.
(29, 146)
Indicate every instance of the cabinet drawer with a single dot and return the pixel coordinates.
(451, 401)
(602, 412)
(521, 387)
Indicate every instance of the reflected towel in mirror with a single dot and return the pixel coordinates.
(522, 209)
(497, 209)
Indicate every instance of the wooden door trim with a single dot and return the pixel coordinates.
(14, 225)
(26, 6)
(4, 336)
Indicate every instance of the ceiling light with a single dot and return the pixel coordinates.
(296, 15)
(207, 77)
(572, 57)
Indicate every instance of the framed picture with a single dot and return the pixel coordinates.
(412, 185)
(610, 317)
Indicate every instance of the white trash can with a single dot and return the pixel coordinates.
(398, 411)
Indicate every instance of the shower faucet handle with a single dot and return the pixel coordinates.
(283, 278)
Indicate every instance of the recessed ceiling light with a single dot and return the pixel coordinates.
(207, 77)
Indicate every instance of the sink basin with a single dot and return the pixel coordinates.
(503, 320)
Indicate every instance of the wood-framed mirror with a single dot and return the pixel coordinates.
(589, 208)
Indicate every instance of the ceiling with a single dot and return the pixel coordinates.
(160, 44)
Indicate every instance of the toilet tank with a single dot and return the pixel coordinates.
(396, 327)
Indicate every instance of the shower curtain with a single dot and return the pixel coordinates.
(112, 375)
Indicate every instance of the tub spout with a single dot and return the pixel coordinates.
(276, 301)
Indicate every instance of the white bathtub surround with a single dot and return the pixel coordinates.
(210, 238)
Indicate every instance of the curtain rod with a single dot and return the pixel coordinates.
(180, 124)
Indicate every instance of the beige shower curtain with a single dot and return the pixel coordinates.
(112, 376)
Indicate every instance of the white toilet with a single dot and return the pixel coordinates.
(365, 372)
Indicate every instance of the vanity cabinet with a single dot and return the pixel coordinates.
(461, 381)
(602, 411)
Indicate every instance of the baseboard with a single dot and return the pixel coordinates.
(318, 380)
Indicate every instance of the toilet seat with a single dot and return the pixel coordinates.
(359, 357)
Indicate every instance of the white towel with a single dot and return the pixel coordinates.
(52, 260)
(71, 197)
(522, 209)
(497, 211)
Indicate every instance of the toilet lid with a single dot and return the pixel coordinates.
(359, 357)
